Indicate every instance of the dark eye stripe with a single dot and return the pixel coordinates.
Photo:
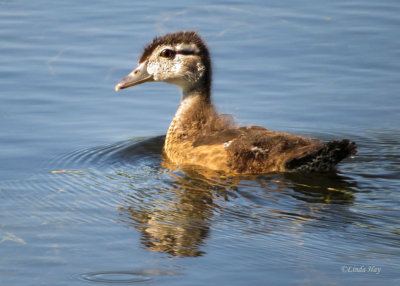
(186, 52)
(167, 53)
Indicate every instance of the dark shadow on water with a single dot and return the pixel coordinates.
(327, 188)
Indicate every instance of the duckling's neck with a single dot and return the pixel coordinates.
(194, 111)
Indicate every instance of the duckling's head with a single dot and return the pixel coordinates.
(180, 58)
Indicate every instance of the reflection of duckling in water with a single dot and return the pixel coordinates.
(178, 217)
(198, 136)
(178, 222)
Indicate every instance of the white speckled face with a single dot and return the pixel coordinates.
(182, 66)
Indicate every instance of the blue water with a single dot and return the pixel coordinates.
(117, 214)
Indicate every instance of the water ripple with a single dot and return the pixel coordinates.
(174, 210)
(125, 277)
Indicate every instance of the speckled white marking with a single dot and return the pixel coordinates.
(258, 149)
(227, 144)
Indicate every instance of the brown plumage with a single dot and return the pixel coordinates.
(199, 136)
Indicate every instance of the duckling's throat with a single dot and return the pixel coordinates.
(193, 113)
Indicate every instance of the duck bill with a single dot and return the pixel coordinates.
(137, 76)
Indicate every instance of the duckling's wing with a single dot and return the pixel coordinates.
(256, 150)
(259, 150)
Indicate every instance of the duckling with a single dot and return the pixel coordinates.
(198, 135)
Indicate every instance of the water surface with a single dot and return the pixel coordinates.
(85, 195)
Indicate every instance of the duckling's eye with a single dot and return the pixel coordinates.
(167, 53)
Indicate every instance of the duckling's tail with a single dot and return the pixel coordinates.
(325, 158)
